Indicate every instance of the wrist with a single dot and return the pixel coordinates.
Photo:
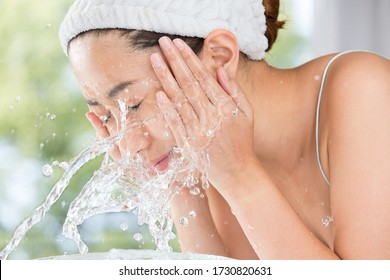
(244, 182)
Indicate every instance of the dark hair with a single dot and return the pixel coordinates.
(272, 22)
(140, 40)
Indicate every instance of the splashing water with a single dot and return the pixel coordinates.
(37, 215)
(123, 186)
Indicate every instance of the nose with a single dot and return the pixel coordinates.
(134, 141)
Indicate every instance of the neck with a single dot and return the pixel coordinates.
(281, 128)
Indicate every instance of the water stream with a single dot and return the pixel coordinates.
(123, 186)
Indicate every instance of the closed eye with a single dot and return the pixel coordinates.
(134, 108)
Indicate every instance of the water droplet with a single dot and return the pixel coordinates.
(192, 214)
(54, 135)
(53, 117)
(47, 170)
(41, 146)
(104, 119)
(205, 184)
(48, 25)
(317, 77)
(166, 134)
(64, 165)
(183, 221)
(55, 163)
(195, 191)
(137, 236)
(11, 107)
(146, 134)
(235, 112)
(17, 98)
(210, 133)
(124, 226)
(326, 221)
(63, 204)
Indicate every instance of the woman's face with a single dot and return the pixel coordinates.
(110, 73)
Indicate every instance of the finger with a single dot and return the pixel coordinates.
(102, 132)
(97, 124)
(185, 78)
(208, 83)
(173, 91)
(235, 91)
(172, 118)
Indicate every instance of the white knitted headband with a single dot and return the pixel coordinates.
(192, 18)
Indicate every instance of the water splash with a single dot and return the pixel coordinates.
(326, 221)
(125, 186)
(47, 170)
(37, 215)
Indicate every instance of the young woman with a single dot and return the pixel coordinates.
(299, 165)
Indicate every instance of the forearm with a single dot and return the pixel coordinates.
(200, 235)
(271, 225)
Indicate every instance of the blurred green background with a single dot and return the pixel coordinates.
(42, 121)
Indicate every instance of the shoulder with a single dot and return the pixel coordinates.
(356, 69)
(357, 86)
(357, 93)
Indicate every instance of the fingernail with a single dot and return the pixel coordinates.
(165, 43)
(89, 117)
(179, 44)
(156, 60)
(162, 97)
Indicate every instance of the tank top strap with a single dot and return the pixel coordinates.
(319, 105)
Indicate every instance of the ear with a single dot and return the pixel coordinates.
(220, 49)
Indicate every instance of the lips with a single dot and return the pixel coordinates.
(160, 165)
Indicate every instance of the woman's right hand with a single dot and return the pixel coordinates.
(102, 132)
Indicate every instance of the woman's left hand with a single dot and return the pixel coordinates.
(204, 112)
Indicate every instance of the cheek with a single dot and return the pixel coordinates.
(159, 130)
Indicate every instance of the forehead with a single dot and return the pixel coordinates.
(99, 61)
(103, 50)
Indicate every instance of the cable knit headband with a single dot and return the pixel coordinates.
(192, 18)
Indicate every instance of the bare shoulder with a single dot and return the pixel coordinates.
(357, 94)
(357, 86)
(360, 68)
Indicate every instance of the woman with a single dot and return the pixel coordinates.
(299, 164)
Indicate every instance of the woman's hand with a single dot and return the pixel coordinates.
(204, 112)
(102, 132)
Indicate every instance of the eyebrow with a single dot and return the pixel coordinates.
(112, 93)
(118, 88)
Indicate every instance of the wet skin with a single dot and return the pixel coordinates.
(108, 72)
